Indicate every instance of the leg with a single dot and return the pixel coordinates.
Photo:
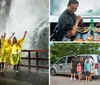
(74, 75)
(90, 76)
(17, 66)
(79, 77)
(86, 78)
(6, 66)
(14, 67)
(0, 68)
(2, 65)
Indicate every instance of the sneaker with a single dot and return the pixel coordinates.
(71, 78)
(0, 71)
(17, 71)
(74, 78)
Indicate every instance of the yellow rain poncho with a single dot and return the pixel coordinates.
(0, 55)
(5, 50)
(16, 52)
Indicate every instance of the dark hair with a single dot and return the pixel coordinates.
(72, 2)
(69, 27)
(14, 41)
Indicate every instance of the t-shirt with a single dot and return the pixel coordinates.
(87, 67)
(74, 62)
(65, 19)
(79, 68)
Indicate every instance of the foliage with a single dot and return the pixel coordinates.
(63, 49)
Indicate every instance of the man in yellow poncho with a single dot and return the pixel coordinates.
(16, 51)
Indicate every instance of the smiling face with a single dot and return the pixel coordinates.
(72, 8)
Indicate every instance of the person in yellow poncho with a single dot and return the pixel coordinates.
(0, 55)
(16, 51)
(3, 41)
(6, 50)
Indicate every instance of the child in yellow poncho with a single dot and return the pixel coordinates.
(16, 51)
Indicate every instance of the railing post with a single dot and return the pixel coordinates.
(29, 60)
(37, 61)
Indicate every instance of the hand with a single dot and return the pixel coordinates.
(4, 34)
(13, 33)
(78, 18)
(25, 32)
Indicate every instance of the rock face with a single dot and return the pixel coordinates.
(40, 37)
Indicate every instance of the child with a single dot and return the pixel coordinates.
(87, 69)
(79, 70)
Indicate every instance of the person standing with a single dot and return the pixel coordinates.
(87, 69)
(69, 17)
(74, 63)
(79, 71)
(91, 62)
(16, 51)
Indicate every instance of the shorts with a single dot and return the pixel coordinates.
(87, 73)
(73, 70)
(78, 73)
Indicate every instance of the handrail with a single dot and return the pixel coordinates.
(29, 58)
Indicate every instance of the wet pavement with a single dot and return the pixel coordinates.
(24, 78)
(65, 80)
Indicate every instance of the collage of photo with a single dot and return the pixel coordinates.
(49, 42)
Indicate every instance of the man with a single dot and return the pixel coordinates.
(74, 63)
(68, 17)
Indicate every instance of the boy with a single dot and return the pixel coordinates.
(87, 69)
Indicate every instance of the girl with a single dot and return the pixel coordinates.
(79, 71)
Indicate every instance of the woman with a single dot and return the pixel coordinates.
(4, 43)
(16, 51)
(6, 50)
(82, 64)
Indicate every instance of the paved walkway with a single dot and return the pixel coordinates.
(23, 78)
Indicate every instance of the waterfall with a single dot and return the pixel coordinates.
(4, 13)
(26, 15)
